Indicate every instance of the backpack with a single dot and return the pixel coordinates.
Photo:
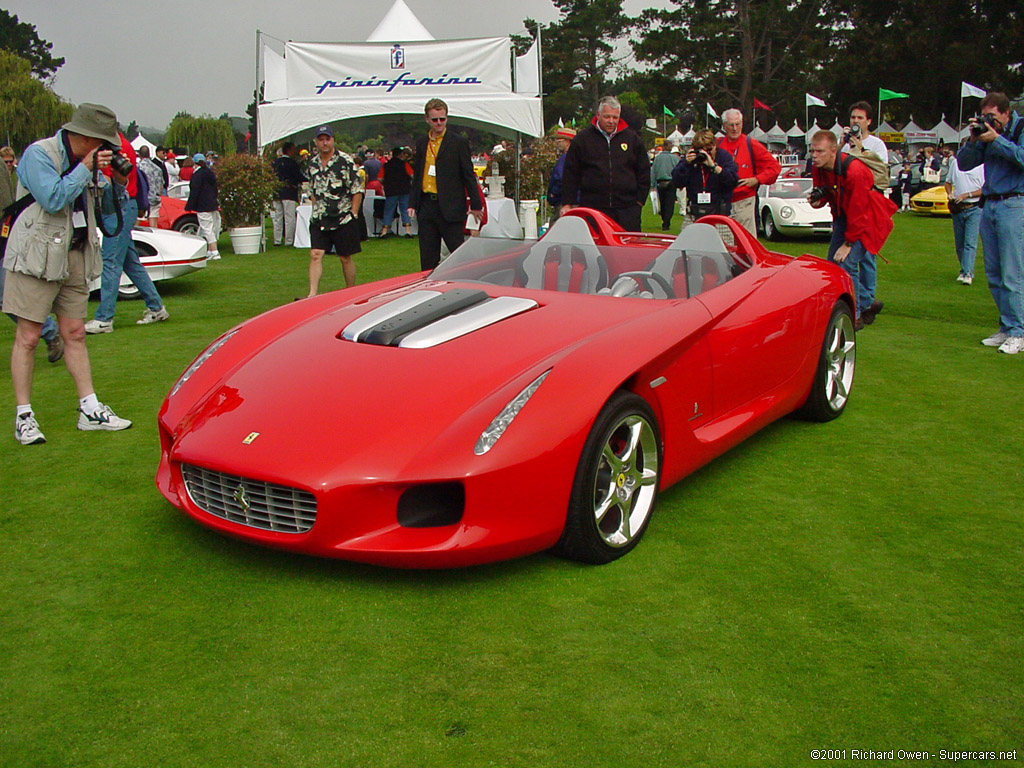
(141, 190)
(879, 168)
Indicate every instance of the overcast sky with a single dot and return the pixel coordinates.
(150, 59)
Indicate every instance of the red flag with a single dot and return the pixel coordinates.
(761, 105)
(248, 135)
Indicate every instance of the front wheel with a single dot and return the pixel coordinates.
(833, 379)
(616, 483)
(770, 230)
(128, 292)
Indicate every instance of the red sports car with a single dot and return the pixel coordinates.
(525, 395)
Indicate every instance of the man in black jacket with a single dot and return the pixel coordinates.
(607, 166)
(282, 212)
(442, 180)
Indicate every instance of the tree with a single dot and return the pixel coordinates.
(891, 45)
(20, 38)
(580, 57)
(201, 134)
(730, 51)
(29, 110)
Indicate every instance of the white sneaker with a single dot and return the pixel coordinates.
(98, 326)
(101, 419)
(149, 316)
(1012, 345)
(26, 430)
(968, 279)
(961, 277)
(995, 339)
(213, 255)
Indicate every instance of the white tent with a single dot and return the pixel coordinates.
(811, 131)
(395, 73)
(142, 141)
(796, 132)
(946, 132)
(915, 134)
(758, 134)
(776, 135)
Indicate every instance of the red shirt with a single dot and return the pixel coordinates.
(768, 168)
(128, 151)
(868, 213)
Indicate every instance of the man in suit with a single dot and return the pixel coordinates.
(442, 180)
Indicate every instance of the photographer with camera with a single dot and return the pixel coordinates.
(995, 142)
(52, 272)
(120, 211)
(709, 175)
(848, 186)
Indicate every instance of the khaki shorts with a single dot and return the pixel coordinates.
(154, 209)
(34, 298)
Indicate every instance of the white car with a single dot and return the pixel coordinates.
(164, 254)
(784, 210)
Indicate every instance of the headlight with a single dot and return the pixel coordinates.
(786, 212)
(207, 354)
(502, 421)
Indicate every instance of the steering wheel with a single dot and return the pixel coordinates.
(649, 278)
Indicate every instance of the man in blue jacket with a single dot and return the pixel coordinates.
(996, 143)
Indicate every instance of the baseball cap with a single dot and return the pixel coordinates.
(324, 129)
(565, 133)
(198, 157)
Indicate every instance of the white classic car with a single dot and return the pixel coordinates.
(164, 254)
(784, 210)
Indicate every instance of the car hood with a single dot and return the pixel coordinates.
(343, 409)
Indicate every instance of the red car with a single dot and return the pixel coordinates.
(523, 396)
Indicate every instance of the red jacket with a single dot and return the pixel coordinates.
(128, 151)
(767, 167)
(868, 212)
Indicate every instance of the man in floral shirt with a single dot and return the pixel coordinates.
(337, 193)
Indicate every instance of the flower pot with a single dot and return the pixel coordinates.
(245, 239)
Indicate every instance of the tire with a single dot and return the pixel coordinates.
(187, 225)
(128, 292)
(616, 483)
(833, 378)
(770, 230)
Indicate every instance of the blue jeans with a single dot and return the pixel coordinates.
(859, 264)
(965, 236)
(393, 203)
(1002, 237)
(49, 327)
(119, 255)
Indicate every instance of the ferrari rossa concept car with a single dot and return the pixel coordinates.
(525, 395)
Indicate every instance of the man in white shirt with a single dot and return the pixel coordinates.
(963, 188)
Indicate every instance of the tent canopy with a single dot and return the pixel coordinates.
(396, 73)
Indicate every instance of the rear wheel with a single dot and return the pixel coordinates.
(129, 291)
(187, 225)
(834, 378)
(616, 483)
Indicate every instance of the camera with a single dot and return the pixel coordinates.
(853, 132)
(702, 157)
(118, 162)
(817, 194)
(978, 128)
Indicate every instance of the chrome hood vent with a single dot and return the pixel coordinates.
(427, 318)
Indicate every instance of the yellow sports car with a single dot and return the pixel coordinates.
(932, 200)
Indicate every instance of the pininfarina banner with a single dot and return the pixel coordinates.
(421, 69)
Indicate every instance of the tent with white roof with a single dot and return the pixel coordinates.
(395, 72)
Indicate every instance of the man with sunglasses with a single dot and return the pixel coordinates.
(443, 179)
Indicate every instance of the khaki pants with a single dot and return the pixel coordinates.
(743, 212)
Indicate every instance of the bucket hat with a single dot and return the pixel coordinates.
(95, 121)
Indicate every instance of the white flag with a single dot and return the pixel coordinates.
(812, 101)
(560, 123)
(711, 111)
(966, 89)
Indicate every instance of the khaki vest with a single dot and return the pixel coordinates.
(39, 240)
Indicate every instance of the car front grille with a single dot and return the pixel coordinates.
(254, 503)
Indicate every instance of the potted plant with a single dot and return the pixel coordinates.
(246, 186)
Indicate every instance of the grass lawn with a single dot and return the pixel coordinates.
(851, 586)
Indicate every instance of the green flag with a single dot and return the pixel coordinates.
(884, 95)
(668, 111)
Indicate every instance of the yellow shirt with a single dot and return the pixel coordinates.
(429, 179)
